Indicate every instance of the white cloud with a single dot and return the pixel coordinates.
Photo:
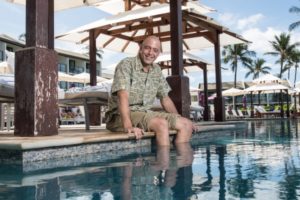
(228, 19)
(250, 21)
(260, 39)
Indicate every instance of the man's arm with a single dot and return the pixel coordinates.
(168, 105)
(123, 97)
(124, 109)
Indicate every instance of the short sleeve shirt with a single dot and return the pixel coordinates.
(143, 87)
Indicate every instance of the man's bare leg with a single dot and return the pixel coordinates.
(184, 127)
(161, 128)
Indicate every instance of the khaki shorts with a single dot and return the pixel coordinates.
(141, 119)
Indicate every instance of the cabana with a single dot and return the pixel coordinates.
(190, 63)
(268, 83)
(41, 76)
(125, 31)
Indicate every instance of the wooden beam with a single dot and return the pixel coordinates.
(127, 43)
(201, 22)
(127, 5)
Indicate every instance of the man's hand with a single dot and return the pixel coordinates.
(135, 132)
(196, 128)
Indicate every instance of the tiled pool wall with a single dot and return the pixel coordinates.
(72, 155)
(76, 155)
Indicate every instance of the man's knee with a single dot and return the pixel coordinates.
(159, 124)
(184, 124)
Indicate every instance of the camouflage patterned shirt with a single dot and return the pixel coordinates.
(143, 87)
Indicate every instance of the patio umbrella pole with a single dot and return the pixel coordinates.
(295, 107)
(251, 101)
(288, 104)
(281, 104)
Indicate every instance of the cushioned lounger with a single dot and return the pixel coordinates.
(85, 98)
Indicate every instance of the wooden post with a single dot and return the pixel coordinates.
(94, 110)
(219, 100)
(206, 109)
(36, 107)
(180, 84)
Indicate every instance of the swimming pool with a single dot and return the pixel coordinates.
(260, 161)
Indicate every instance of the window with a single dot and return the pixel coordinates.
(62, 67)
(72, 66)
(1, 55)
(63, 85)
(87, 67)
(10, 49)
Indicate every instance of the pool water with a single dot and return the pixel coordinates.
(259, 161)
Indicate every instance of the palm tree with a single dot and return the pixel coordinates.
(282, 47)
(257, 68)
(234, 54)
(22, 37)
(99, 52)
(294, 60)
(296, 24)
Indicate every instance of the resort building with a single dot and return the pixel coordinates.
(68, 62)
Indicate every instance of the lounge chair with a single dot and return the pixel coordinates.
(7, 116)
(261, 112)
(234, 113)
(228, 114)
(94, 96)
(241, 114)
(196, 112)
(6, 105)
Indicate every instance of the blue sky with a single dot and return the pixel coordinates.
(256, 20)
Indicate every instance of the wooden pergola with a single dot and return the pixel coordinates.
(36, 65)
(188, 62)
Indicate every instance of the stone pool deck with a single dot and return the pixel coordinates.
(75, 145)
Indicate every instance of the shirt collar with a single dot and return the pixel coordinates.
(139, 65)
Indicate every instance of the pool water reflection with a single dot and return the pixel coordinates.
(260, 161)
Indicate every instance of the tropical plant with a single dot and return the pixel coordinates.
(293, 61)
(257, 68)
(296, 24)
(233, 54)
(282, 47)
(99, 52)
(22, 37)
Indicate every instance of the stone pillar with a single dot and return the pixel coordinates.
(36, 107)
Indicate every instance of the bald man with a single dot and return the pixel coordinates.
(138, 81)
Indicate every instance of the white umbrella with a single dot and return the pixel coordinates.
(275, 87)
(115, 35)
(85, 78)
(115, 7)
(67, 77)
(5, 68)
(66, 4)
(191, 63)
(268, 78)
(233, 92)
